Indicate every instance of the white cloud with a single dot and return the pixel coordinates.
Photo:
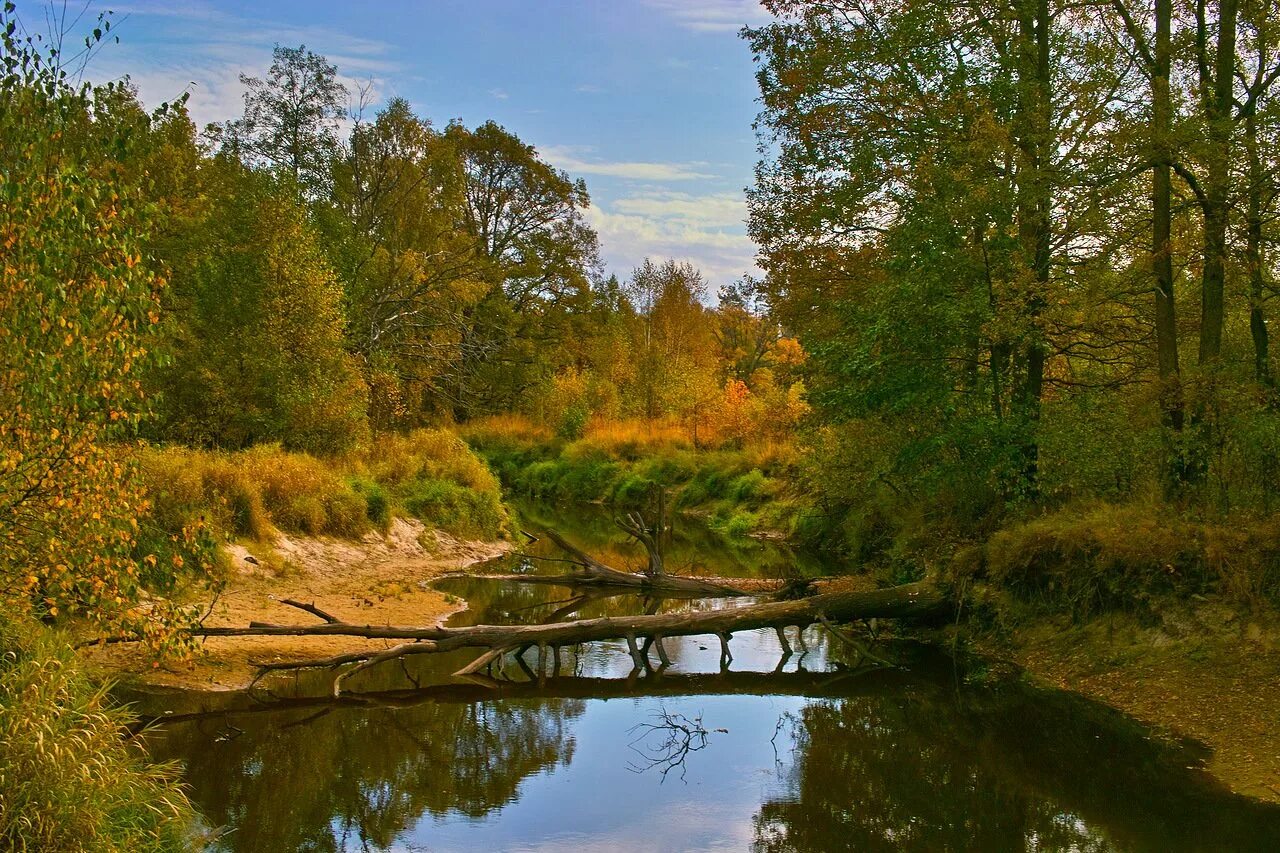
(589, 89)
(207, 49)
(713, 16)
(705, 230)
(717, 210)
(569, 157)
(499, 94)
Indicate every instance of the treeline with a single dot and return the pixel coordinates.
(1029, 248)
(321, 286)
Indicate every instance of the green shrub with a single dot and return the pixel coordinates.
(573, 422)
(454, 508)
(750, 487)
(69, 779)
(377, 504)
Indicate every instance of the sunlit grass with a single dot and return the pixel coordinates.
(69, 779)
(428, 474)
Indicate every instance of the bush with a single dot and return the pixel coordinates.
(70, 780)
(457, 509)
(377, 504)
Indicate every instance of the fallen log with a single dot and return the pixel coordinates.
(917, 600)
(595, 573)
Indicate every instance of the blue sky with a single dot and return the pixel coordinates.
(650, 101)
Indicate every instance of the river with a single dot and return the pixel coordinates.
(812, 752)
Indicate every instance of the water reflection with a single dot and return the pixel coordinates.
(981, 770)
(815, 755)
(335, 779)
(696, 549)
(802, 760)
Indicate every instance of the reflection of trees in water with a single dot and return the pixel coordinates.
(917, 772)
(366, 776)
(696, 550)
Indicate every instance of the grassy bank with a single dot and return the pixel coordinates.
(741, 491)
(429, 475)
(70, 780)
(1092, 559)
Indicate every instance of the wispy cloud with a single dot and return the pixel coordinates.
(589, 89)
(715, 210)
(498, 94)
(205, 49)
(713, 16)
(570, 157)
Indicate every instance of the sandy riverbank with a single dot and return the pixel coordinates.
(377, 580)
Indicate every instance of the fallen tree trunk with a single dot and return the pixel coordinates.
(596, 573)
(918, 600)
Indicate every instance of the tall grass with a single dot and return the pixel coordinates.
(428, 474)
(69, 781)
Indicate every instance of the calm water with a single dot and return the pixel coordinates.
(812, 753)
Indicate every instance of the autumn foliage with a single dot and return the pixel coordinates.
(78, 303)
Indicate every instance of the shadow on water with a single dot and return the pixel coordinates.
(818, 755)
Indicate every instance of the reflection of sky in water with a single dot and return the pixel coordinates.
(910, 759)
(598, 804)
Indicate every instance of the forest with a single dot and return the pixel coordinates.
(1011, 339)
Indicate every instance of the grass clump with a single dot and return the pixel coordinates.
(69, 781)
(434, 476)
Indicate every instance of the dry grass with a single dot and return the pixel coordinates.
(430, 474)
(1121, 556)
(512, 427)
(69, 780)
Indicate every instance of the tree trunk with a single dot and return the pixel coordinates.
(920, 600)
(1035, 200)
(1253, 256)
(1161, 246)
(1217, 110)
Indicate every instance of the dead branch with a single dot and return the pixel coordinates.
(312, 609)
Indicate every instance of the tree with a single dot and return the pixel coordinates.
(539, 256)
(78, 307)
(257, 345)
(291, 118)
(936, 205)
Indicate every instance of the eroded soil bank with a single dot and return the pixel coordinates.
(1206, 672)
(380, 579)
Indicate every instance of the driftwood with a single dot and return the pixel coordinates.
(917, 600)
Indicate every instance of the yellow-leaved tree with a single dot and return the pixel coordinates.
(78, 299)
